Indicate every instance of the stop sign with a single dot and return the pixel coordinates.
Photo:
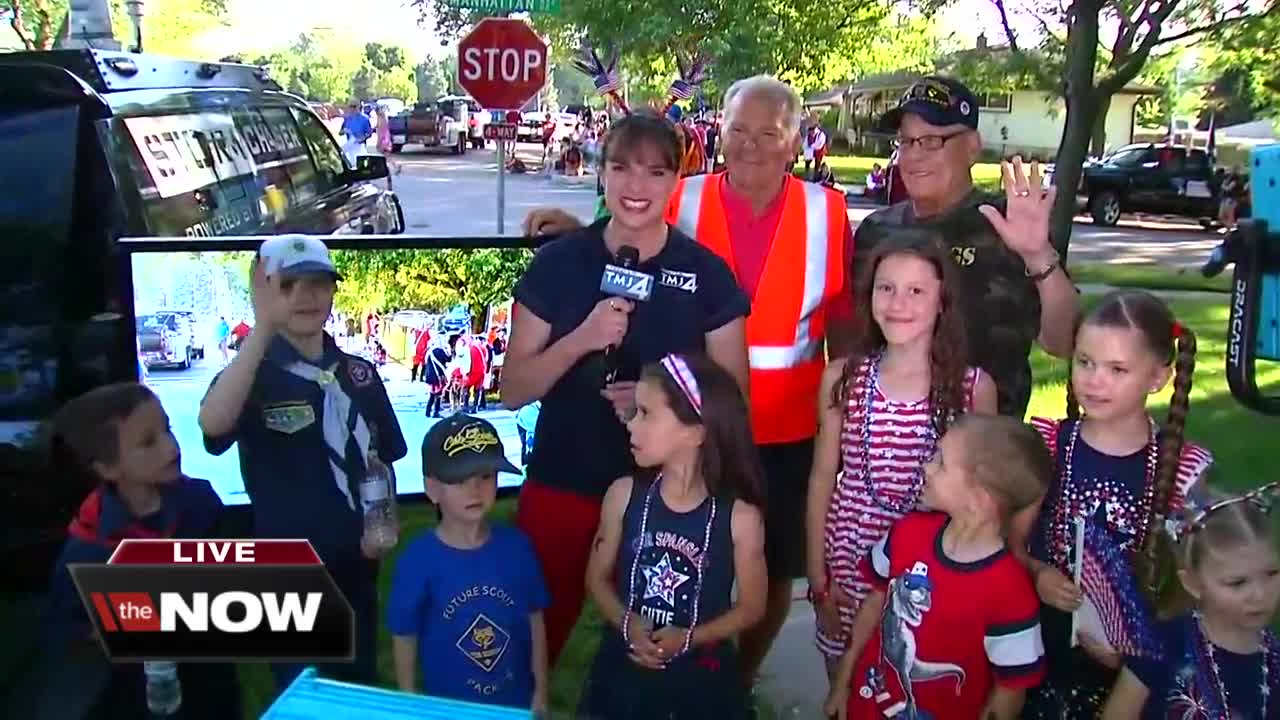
(502, 63)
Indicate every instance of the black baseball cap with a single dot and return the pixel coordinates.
(938, 101)
(463, 446)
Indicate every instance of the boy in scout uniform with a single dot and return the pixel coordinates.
(306, 417)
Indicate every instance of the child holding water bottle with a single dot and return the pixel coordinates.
(465, 611)
(120, 435)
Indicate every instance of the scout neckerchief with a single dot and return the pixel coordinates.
(346, 434)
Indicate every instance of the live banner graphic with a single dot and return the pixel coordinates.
(217, 600)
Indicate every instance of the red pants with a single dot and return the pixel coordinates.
(561, 526)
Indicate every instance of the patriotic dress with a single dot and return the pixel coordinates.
(1201, 681)
(1112, 496)
(884, 444)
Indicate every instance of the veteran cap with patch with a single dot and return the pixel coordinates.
(296, 255)
(461, 447)
(938, 100)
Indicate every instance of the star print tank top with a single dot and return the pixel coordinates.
(679, 562)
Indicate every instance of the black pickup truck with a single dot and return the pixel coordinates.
(1150, 178)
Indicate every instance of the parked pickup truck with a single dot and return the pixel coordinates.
(1150, 178)
(436, 124)
(166, 338)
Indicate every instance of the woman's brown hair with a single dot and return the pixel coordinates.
(949, 350)
(643, 129)
(730, 464)
(1174, 344)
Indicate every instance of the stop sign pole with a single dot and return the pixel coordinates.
(502, 63)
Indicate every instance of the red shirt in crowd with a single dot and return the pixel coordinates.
(958, 628)
(753, 235)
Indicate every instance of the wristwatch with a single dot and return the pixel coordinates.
(1047, 270)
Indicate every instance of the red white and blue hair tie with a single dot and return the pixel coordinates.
(679, 371)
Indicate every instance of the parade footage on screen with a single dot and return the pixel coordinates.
(193, 310)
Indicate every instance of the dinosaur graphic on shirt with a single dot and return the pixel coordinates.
(909, 598)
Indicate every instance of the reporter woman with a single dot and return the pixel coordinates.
(563, 322)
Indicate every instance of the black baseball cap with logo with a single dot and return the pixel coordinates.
(461, 447)
(938, 100)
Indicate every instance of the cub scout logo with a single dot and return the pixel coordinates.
(289, 417)
(484, 643)
(473, 438)
(686, 281)
(361, 374)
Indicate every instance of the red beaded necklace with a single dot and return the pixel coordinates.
(1062, 530)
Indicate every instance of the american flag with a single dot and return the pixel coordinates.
(607, 83)
(1108, 581)
(682, 90)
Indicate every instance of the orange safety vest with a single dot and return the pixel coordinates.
(804, 270)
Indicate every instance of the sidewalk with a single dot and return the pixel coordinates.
(793, 680)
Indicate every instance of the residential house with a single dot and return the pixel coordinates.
(1025, 121)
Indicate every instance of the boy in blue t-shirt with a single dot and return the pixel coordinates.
(467, 598)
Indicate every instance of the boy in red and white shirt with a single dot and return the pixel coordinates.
(952, 630)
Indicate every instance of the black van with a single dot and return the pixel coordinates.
(99, 145)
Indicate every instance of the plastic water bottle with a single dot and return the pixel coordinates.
(164, 691)
(381, 530)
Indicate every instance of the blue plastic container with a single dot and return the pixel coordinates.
(314, 698)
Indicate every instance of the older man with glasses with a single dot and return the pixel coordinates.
(1014, 290)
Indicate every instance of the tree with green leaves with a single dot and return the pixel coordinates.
(1249, 63)
(168, 29)
(432, 280)
(812, 44)
(1087, 66)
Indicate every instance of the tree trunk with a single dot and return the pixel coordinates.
(1082, 106)
(1098, 142)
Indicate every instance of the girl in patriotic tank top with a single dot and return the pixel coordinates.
(1101, 566)
(1221, 661)
(672, 543)
(882, 412)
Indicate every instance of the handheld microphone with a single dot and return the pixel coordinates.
(621, 279)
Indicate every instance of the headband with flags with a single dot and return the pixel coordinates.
(691, 76)
(603, 74)
(679, 371)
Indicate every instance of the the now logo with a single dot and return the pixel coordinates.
(217, 600)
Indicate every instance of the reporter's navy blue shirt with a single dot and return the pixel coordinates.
(582, 446)
(283, 456)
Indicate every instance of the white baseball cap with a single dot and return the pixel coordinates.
(296, 255)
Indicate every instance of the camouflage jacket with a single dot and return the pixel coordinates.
(1001, 304)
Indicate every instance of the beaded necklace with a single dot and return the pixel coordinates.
(1063, 530)
(635, 565)
(1206, 652)
(909, 500)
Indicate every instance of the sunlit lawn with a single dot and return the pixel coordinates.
(855, 169)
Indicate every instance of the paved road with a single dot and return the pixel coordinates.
(180, 392)
(448, 195)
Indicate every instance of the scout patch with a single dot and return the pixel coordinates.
(361, 374)
(289, 417)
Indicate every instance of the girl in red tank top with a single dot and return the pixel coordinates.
(882, 412)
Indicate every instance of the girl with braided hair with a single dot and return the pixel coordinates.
(1093, 545)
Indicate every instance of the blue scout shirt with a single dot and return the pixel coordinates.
(283, 455)
(189, 508)
(470, 611)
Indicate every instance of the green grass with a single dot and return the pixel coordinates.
(855, 169)
(1148, 276)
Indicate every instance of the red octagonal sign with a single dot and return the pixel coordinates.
(502, 63)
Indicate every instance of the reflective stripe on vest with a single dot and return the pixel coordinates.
(784, 332)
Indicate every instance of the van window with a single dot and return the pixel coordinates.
(327, 166)
(211, 173)
(37, 182)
